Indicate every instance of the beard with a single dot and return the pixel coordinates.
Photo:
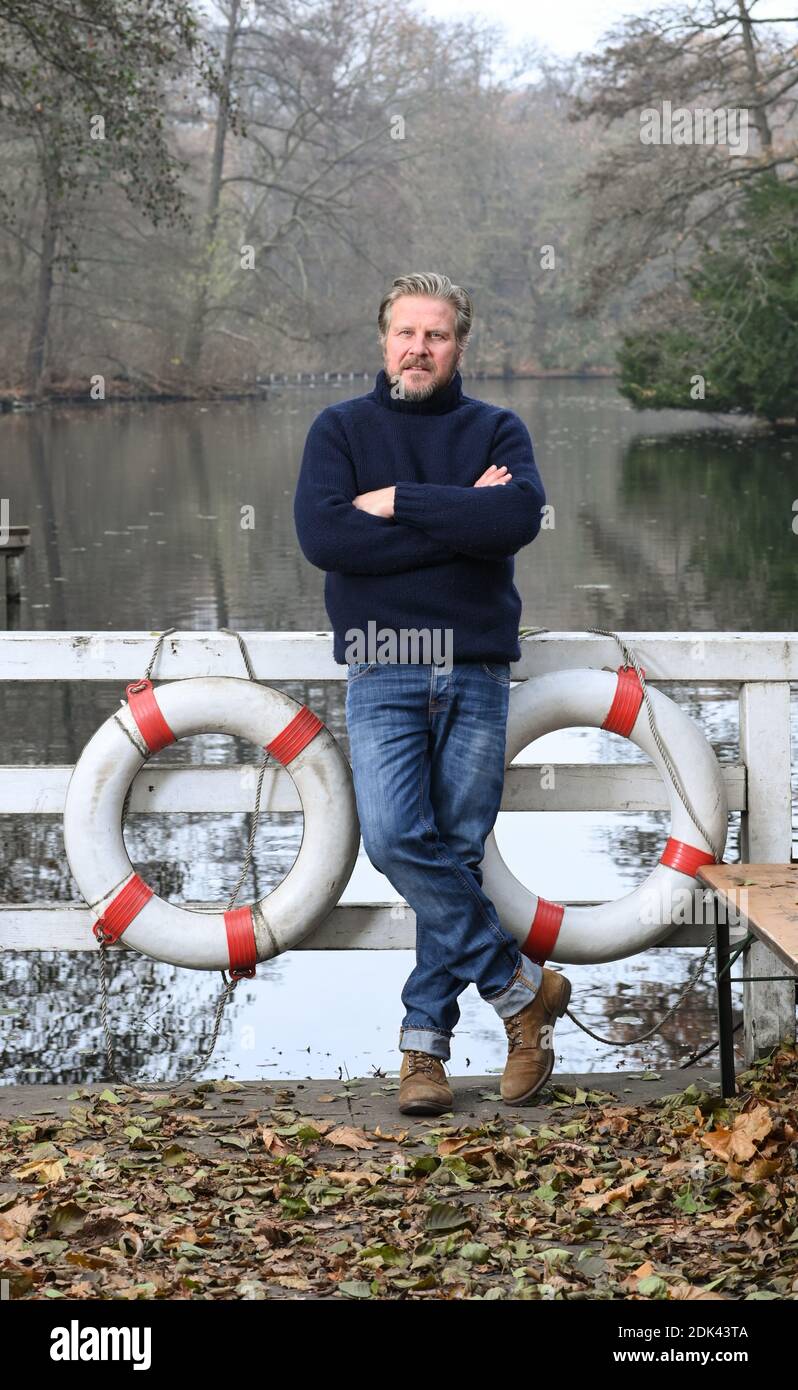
(424, 386)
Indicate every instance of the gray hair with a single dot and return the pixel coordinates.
(437, 287)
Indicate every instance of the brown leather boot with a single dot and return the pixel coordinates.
(530, 1059)
(423, 1088)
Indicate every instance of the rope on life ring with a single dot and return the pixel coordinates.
(592, 698)
(126, 906)
(105, 771)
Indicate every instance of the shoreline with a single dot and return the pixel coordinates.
(17, 399)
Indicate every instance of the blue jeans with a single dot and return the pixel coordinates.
(427, 750)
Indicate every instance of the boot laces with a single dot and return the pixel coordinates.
(420, 1061)
(514, 1029)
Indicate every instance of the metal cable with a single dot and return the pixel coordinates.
(631, 660)
(229, 985)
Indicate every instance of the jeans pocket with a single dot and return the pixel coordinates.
(356, 669)
(498, 671)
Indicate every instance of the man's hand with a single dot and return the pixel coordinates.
(492, 476)
(379, 502)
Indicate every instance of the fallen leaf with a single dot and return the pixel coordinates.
(739, 1142)
(352, 1175)
(272, 1231)
(46, 1171)
(100, 1230)
(464, 1148)
(13, 1249)
(85, 1152)
(613, 1124)
(273, 1142)
(757, 1171)
(349, 1138)
(66, 1219)
(180, 1233)
(443, 1216)
(16, 1220)
(601, 1199)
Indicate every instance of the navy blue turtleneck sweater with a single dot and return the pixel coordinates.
(445, 559)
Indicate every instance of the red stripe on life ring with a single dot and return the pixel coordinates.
(122, 909)
(544, 930)
(626, 702)
(241, 943)
(677, 854)
(295, 736)
(150, 721)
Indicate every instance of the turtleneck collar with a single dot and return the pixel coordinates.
(442, 400)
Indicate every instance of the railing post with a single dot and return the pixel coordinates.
(14, 542)
(766, 838)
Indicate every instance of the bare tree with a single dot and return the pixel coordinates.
(198, 311)
(81, 84)
(655, 207)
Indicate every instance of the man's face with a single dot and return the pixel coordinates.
(420, 349)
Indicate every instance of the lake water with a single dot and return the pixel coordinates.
(663, 521)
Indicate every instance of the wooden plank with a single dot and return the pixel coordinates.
(699, 657)
(349, 927)
(766, 838)
(158, 788)
(766, 898)
(31, 790)
(623, 787)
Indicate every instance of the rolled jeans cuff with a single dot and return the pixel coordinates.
(425, 1040)
(521, 990)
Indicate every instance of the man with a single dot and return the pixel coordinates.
(414, 498)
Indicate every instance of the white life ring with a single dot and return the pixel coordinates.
(602, 699)
(119, 898)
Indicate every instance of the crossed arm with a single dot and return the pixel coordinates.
(413, 525)
(334, 534)
(494, 518)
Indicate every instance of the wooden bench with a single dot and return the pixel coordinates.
(763, 898)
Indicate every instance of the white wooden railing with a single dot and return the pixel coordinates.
(759, 667)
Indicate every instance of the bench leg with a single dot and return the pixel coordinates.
(728, 1087)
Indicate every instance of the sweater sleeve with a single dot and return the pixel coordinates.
(489, 523)
(334, 534)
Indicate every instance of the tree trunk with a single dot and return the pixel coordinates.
(196, 324)
(37, 342)
(761, 122)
